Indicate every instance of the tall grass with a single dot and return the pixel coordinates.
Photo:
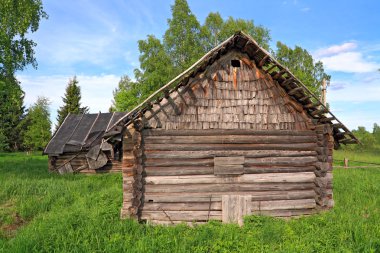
(43, 212)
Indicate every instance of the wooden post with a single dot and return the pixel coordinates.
(324, 91)
(345, 161)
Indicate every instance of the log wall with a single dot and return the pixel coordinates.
(180, 182)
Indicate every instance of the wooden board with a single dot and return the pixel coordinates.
(234, 207)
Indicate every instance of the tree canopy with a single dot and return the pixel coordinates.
(71, 101)
(18, 18)
(38, 124)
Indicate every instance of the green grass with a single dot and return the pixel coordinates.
(43, 212)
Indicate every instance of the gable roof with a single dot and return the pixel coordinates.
(81, 132)
(290, 83)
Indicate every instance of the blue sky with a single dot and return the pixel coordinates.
(97, 41)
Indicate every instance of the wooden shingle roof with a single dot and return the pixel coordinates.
(290, 83)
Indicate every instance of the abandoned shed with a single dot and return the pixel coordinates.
(78, 145)
(235, 134)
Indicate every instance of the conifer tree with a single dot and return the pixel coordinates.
(71, 101)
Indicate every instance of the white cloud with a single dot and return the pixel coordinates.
(336, 49)
(356, 90)
(306, 9)
(350, 62)
(96, 90)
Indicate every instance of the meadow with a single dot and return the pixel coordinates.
(45, 212)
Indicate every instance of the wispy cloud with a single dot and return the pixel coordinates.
(336, 49)
(350, 62)
(306, 9)
(346, 57)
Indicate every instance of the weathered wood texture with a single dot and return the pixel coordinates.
(78, 163)
(231, 142)
(323, 180)
(226, 97)
(186, 177)
(132, 173)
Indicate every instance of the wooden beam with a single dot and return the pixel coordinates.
(338, 125)
(323, 120)
(294, 91)
(270, 68)
(318, 112)
(262, 62)
(303, 98)
(340, 134)
(348, 141)
(287, 81)
(276, 76)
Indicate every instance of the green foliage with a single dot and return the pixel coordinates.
(300, 62)
(182, 40)
(18, 18)
(156, 67)
(185, 41)
(38, 124)
(216, 30)
(11, 111)
(126, 95)
(369, 141)
(45, 212)
(71, 101)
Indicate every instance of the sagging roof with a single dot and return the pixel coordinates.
(291, 84)
(81, 132)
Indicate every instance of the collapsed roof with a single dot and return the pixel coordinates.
(80, 132)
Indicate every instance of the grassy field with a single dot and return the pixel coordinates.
(43, 212)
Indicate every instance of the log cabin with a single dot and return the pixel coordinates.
(78, 146)
(235, 134)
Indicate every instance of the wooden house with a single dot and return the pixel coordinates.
(235, 134)
(78, 145)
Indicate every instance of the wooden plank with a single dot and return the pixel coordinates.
(205, 197)
(234, 207)
(208, 132)
(233, 169)
(179, 170)
(228, 139)
(301, 177)
(213, 153)
(290, 161)
(228, 160)
(179, 162)
(236, 187)
(183, 206)
(277, 169)
(189, 147)
(286, 213)
(181, 215)
(283, 204)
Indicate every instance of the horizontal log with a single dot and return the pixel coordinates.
(177, 171)
(184, 206)
(212, 153)
(229, 139)
(179, 162)
(217, 196)
(237, 187)
(301, 177)
(188, 147)
(208, 132)
(283, 204)
(291, 161)
(209, 170)
(167, 222)
(286, 213)
(181, 215)
(277, 169)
